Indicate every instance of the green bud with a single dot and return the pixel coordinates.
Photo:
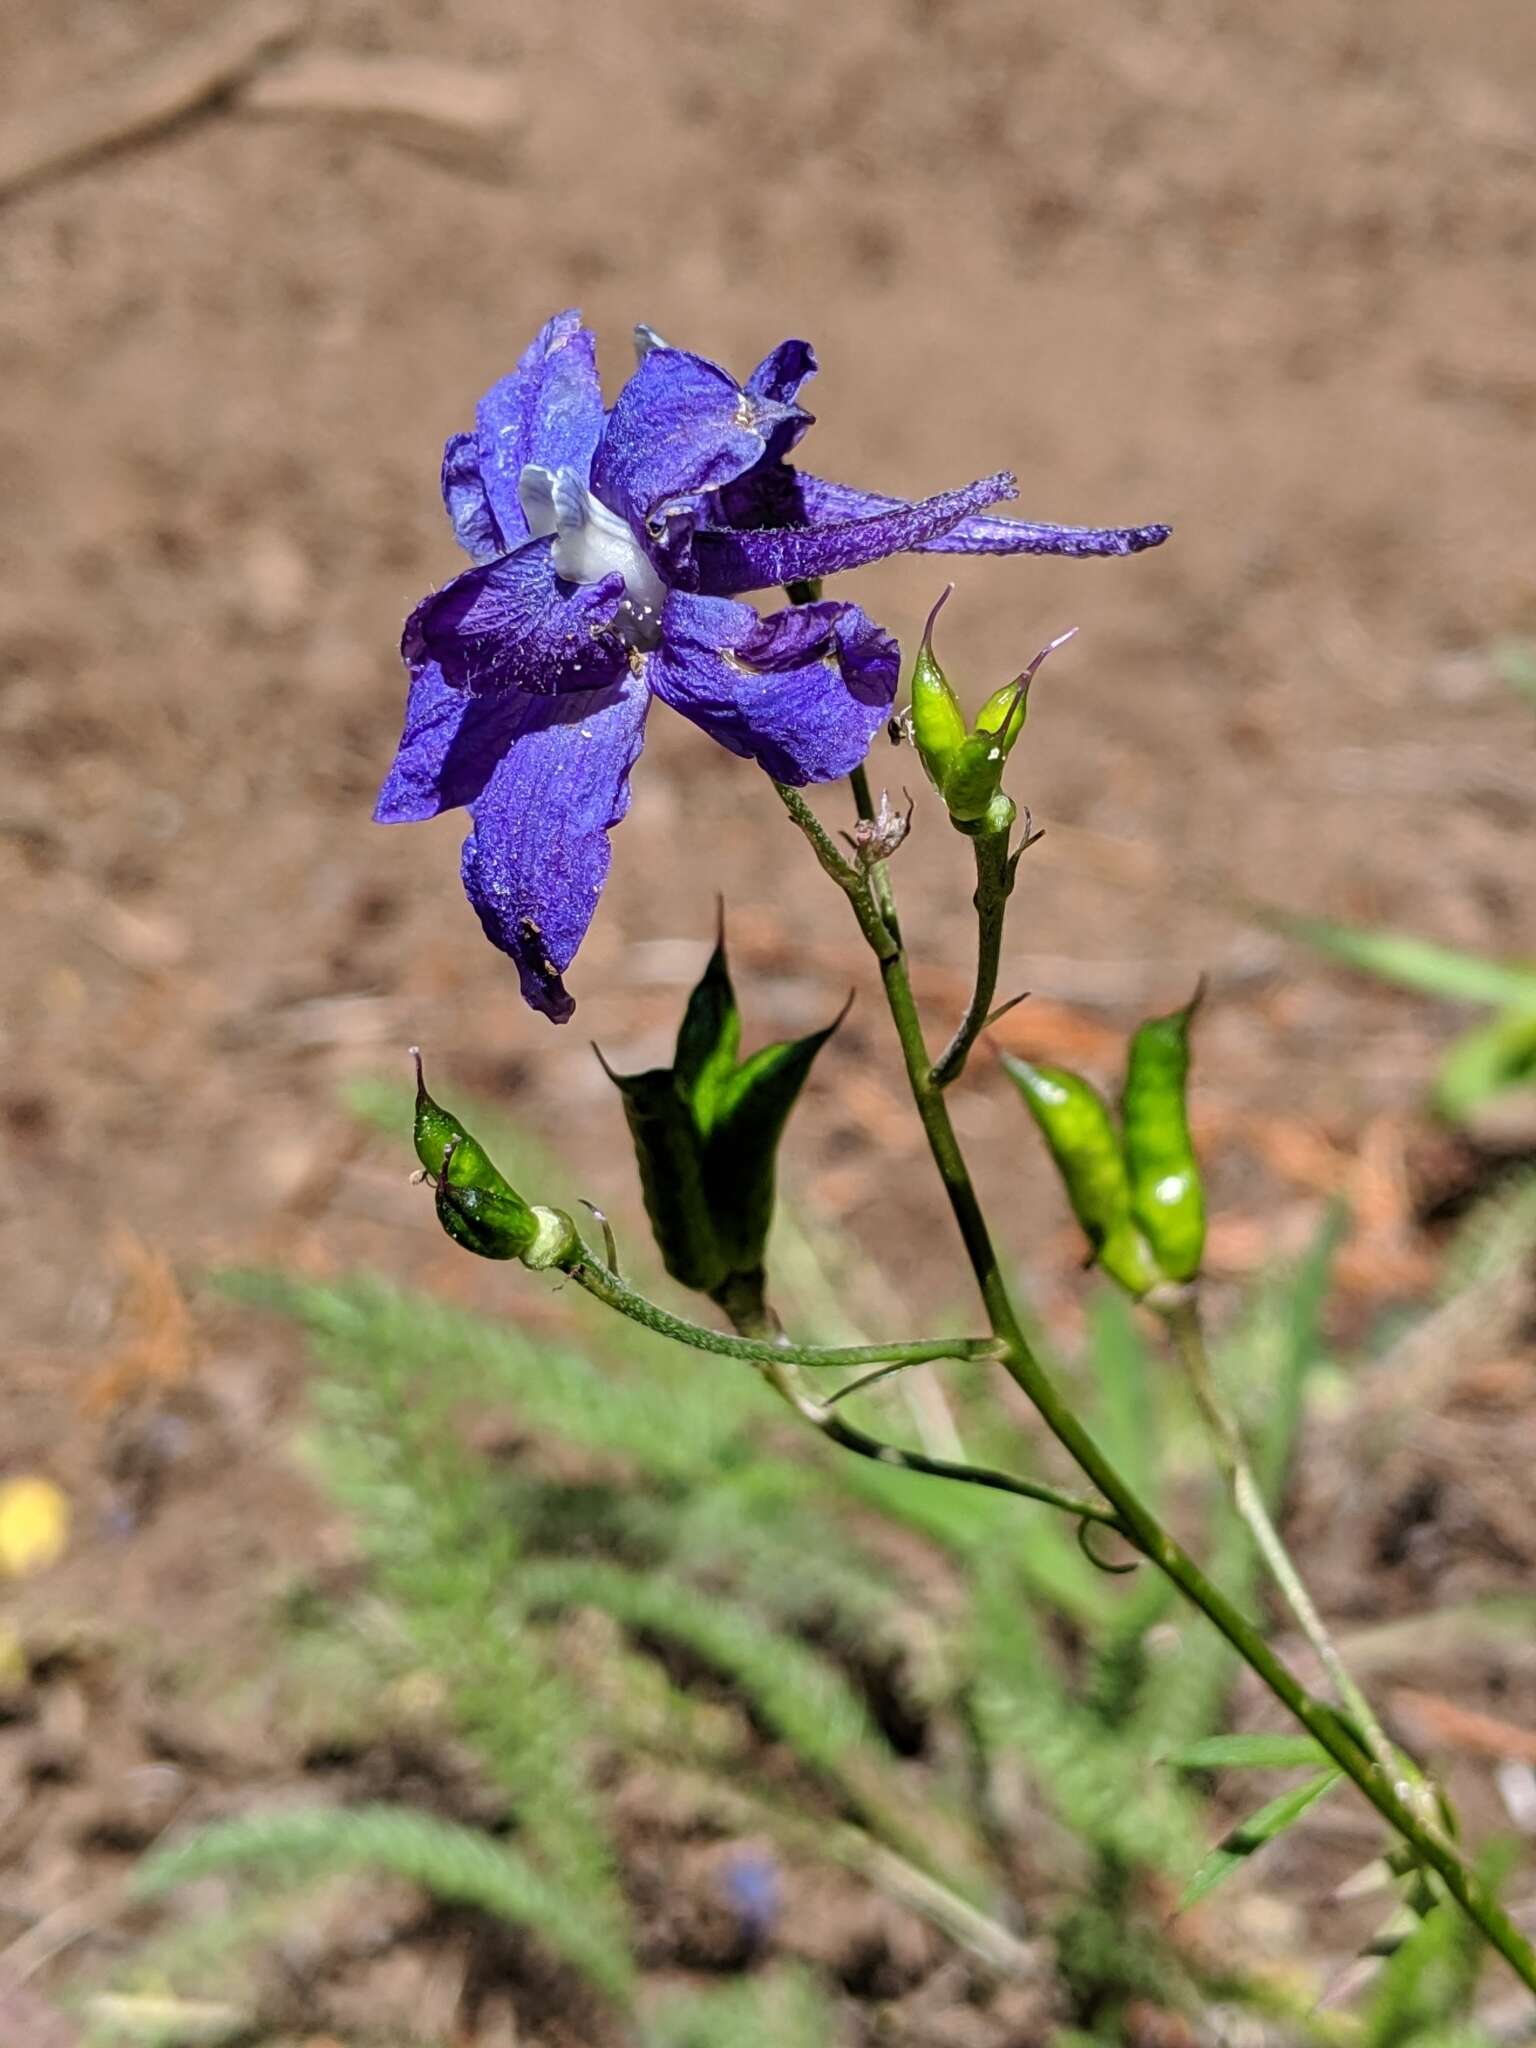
(706, 1133)
(1167, 1199)
(938, 723)
(475, 1203)
(1080, 1135)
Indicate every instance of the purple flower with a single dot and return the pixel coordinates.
(607, 550)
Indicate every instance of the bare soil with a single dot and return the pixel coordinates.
(1270, 275)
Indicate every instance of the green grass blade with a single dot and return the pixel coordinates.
(1252, 1834)
(1414, 963)
(1248, 1752)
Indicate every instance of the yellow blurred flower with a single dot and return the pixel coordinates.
(34, 1525)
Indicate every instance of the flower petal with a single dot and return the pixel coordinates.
(680, 425)
(535, 863)
(781, 373)
(802, 693)
(475, 526)
(549, 411)
(729, 562)
(826, 503)
(449, 747)
(513, 624)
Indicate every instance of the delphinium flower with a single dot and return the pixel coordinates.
(609, 548)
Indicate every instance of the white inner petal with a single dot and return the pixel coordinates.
(590, 543)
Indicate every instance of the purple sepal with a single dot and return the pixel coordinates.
(783, 370)
(535, 863)
(681, 425)
(468, 505)
(549, 411)
(449, 746)
(513, 624)
(730, 562)
(803, 692)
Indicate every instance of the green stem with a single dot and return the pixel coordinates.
(1181, 1317)
(614, 1293)
(853, 883)
(879, 878)
(1136, 1520)
(994, 881)
(820, 1413)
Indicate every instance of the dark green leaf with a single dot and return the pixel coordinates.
(708, 1040)
(741, 1150)
(670, 1158)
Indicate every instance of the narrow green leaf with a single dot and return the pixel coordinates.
(1484, 1062)
(1248, 1752)
(1253, 1833)
(1414, 963)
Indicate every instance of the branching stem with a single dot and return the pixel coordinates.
(1391, 1797)
(607, 1287)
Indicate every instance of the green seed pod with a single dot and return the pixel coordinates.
(938, 723)
(493, 1224)
(476, 1205)
(975, 777)
(435, 1130)
(1002, 716)
(1075, 1122)
(1167, 1199)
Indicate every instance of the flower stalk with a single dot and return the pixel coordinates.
(1135, 1520)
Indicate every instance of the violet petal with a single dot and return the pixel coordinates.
(513, 624)
(535, 863)
(803, 692)
(830, 504)
(549, 410)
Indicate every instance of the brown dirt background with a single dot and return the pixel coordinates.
(1268, 274)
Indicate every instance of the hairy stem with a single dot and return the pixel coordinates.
(1135, 1520)
(994, 881)
(606, 1286)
